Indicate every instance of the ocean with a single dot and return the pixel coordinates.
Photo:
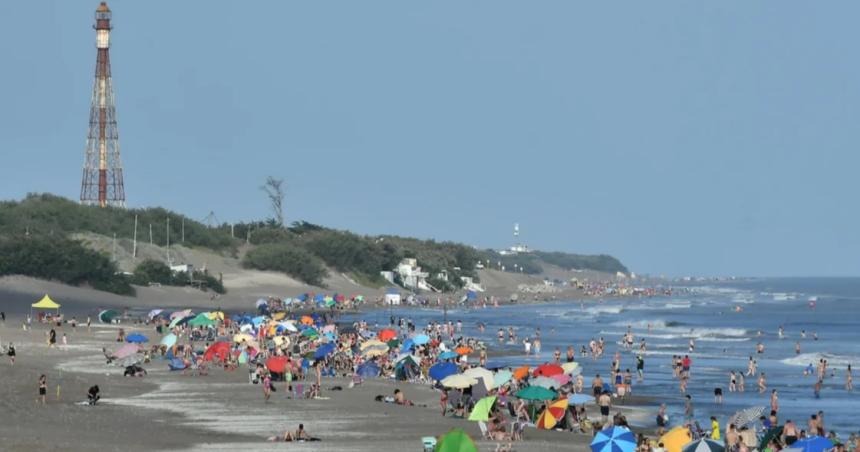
(724, 339)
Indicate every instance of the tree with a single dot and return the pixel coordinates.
(275, 192)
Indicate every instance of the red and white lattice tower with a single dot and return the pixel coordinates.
(102, 179)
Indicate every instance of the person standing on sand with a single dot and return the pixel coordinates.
(11, 352)
(43, 389)
(52, 338)
(89, 324)
(605, 402)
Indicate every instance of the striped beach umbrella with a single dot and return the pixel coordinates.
(614, 439)
(747, 416)
(552, 414)
(704, 445)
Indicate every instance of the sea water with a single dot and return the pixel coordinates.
(724, 341)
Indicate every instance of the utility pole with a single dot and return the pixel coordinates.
(150, 234)
(113, 251)
(134, 240)
(183, 229)
(168, 241)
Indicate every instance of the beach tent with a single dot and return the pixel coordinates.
(45, 303)
(392, 297)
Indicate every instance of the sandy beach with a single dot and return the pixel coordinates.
(221, 411)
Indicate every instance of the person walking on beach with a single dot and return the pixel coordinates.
(43, 389)
(640, 367)
(267, 386)
(662, 420)
(849, 379)
(52, 338)
(733, 382)
(741, 382)
(605, 401)
(762, 383)
(89, 324)
(10, 351)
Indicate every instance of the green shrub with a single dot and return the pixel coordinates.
(289, 259)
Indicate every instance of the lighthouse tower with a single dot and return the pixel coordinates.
(102, 184)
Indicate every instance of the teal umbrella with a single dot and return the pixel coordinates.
(201, 320)
(536, 393)
(169, 340)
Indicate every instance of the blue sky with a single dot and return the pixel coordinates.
(682, 137)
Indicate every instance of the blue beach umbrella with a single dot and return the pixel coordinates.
(136, 338)
(813, 444)
(169, 340)
(441, 370)
(614, 439)
(448, 355)
(323, 351)
(406, 346)
(421, 339)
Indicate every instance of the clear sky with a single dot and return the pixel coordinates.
(682, 137)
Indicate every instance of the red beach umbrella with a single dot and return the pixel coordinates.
(386, 335)
(277, 364)
(548, 370)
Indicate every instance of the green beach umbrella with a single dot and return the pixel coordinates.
(536, 393)
(107, 316)
(456, 441)
(394, 343)
(481, 412)
(201, 320)
(310, 332)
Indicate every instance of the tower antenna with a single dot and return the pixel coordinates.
(101, 184)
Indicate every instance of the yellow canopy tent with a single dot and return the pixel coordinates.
(46, 303)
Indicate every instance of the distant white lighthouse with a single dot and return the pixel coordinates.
(518, 246)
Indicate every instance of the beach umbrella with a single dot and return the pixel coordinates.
(216, 315)
(674, 440)
(455, 440)
(459, 381)
(126, 350)
(306, 320)
(481, 374)
(572, 368)
(747, 416)
(421, 339)
(180, 314)
(501, 377)
(243, 357)
(219, 349)
(289, 326)
(130, 360)
(562, 379)
(281, 341)
(813, 444)
(773, 432)
(536, 393)
(448, 355)
(242, 337)
(463, 350)
(553, 413)
(386, 335)
(521, 372)
(323, 351)
(107, 315)
(277, 364)
(261, 302)
(154, 313)
(614, 439)
(373, 352)
(169, 340)
(311, 333)
(704, 445)
(441, 370)
(246, 328)
(545, 382)
(136, 338)
(201, 320)
(176, 321)
(481, 411)
(407, 345)
(368, 370)
(548, 370)
(579, 399)
(373, 343)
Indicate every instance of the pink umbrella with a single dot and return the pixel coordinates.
(184, 313)
(126, 350)
(328, 329)
(562, 379)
